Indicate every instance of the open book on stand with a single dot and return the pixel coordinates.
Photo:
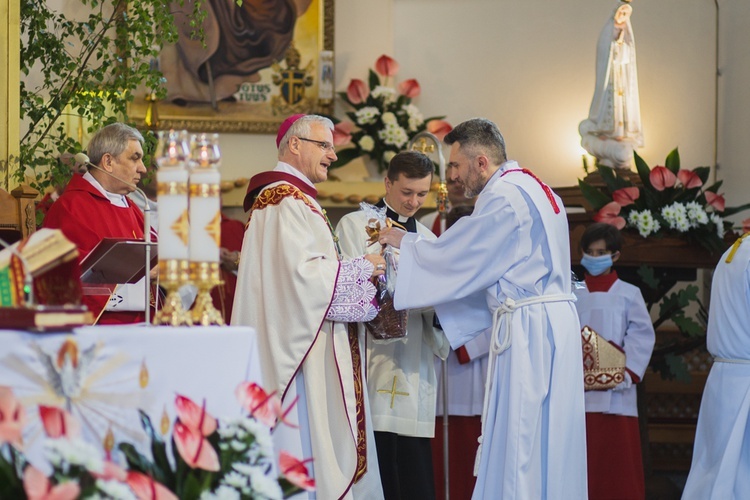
(115, 261)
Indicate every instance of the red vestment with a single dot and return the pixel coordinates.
(85, 216)
(232, 233)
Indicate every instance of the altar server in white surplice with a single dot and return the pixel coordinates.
(721, 454)
(294, 287)
(401, 374)
(507, 266)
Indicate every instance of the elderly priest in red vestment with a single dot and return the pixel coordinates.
(295, 288)
(95, 206)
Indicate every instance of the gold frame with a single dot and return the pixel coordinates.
(202, 118)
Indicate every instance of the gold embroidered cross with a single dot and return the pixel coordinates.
(393, 392)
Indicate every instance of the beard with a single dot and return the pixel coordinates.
(473, 184)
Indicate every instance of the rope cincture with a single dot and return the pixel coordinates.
(509, 306)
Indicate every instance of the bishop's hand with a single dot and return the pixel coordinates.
(378, 263)
(391, 236)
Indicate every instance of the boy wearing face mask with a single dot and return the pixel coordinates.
(617, 312)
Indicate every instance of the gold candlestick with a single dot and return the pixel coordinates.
(205, 276)
(173, 273)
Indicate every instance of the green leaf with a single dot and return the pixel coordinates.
(714, 188)
(643, 170)
(162, 470)
(647, 274)
(287, 488)
(678, 367)
(136, 461)
(594, 196)
(608, 176)
(735, 210)
(703, 173)
(673, 161)
(689, 326)
(374, 80)
(192, 487)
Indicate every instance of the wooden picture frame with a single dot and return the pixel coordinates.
(283, 82)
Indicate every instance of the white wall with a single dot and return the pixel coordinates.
(529, 66)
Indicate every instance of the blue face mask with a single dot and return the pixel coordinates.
(596, 265)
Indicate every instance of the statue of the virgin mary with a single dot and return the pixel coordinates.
(613, 129)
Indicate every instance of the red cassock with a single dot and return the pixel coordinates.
(85, 216)
(232, 233)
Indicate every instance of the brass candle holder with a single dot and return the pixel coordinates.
(173, 273)
(205, 276)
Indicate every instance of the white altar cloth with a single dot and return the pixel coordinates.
(109, 372)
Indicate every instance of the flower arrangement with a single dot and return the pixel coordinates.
(211, 459)
(668, 200)
(384, 118)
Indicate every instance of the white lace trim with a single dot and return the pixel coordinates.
(352, 297)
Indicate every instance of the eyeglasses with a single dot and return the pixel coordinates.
(324, 145)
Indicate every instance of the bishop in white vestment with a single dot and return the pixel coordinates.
(295, 289)
(507, 266)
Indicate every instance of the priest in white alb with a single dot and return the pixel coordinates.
(507, 266)
(296, 290)
(721, 454)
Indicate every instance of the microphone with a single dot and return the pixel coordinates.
(82, 159)
(28, 279)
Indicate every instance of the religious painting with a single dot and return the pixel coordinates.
(257, 63)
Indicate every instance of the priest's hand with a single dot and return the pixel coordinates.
(391, 236)
(378, 263)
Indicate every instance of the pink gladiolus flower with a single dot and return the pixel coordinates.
(194, 416)
(194, 449)
(357, 91)
(37, 487)
(410, 88)
(715, 200)
(342, 133)
(296, 471)
(689, 179)
(12, 418)
(145, 488)
(386, 66)
(626, 196)
(439, 128)
(662, 178)
(609, 215)
(58, 422)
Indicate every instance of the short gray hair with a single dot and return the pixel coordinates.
(303, 128)
(112, 139)
(479, 136)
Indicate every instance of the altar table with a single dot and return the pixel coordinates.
(103, 375)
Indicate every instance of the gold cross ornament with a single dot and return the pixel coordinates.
(393, 392)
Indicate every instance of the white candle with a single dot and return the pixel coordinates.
(325, 75)
(172, 197)
(205, 215)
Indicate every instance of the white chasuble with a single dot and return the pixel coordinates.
(401, 378)
(721, 455)
(285, 288)
(513, 248)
